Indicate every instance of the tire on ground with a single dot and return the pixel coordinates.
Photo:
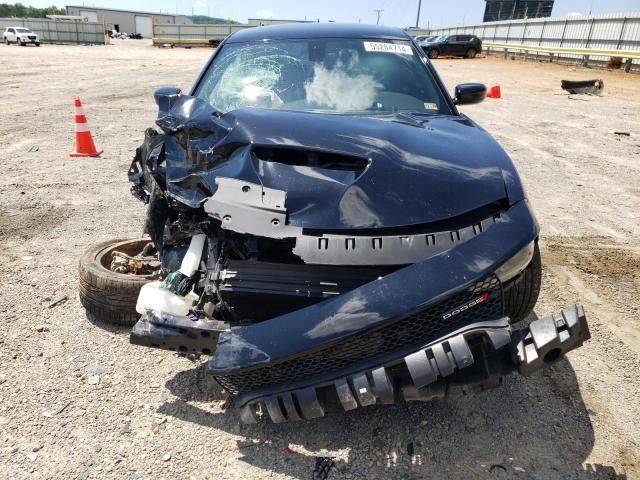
(109, 296)
(521, 294)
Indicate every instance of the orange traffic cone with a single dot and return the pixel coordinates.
(494, 92)
(84, 141)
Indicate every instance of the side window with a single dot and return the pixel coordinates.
(11, 30)
(464, 38)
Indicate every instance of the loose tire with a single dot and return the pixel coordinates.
(521, 294)
(471, 53)
(109, 296)
(434, 53)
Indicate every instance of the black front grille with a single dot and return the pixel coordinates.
(414, 330)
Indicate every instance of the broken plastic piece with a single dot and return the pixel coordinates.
(583, 86)
(550, 338)
(479, 364)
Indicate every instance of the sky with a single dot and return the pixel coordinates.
(399, 13)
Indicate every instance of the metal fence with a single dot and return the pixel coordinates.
(51, 31)
(615, 31)
(196, 32)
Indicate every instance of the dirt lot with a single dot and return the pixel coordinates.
(77, 401)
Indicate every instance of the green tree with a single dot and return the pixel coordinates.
(21, 11)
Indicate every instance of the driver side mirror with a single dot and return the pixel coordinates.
(470, 93)
(166, 97)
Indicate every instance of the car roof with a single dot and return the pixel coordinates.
(317, 30)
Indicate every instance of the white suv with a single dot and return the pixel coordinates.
(21, 36)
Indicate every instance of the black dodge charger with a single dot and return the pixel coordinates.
(333, 232)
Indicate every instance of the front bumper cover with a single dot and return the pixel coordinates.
(477, 355)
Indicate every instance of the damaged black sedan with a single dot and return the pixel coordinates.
(332, 231)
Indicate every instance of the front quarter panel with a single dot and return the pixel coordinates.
(512, 182)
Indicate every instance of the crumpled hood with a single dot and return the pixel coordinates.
(362, 172)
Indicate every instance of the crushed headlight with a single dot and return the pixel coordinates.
(516, 264)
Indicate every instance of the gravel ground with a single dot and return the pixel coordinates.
(77, 401)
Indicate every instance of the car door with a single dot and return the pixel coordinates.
(459, 44)
(11, 34)
(449, 46)
(446, 45)
(476, 43)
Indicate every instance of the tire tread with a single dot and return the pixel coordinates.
(108, 296)
(521, 295)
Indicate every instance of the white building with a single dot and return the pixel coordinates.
(127, 21)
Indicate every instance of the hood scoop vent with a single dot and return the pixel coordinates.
(312, 158)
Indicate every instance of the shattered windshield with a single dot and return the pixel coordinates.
(352, 76)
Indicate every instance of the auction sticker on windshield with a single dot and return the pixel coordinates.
(387, 48)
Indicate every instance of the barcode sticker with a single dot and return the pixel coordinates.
(388, 48)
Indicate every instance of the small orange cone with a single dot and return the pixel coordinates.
(84, 141)
(494, 92)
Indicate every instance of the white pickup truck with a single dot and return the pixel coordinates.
(21, 36)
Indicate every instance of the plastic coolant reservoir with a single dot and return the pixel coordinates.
(152, 297)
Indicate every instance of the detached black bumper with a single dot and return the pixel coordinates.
(476, 356)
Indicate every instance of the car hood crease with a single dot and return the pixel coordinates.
(412, 175)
